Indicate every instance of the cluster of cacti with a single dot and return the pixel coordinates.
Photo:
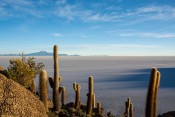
(43, 88)
(77, 88)
(129, 111)
(91, 96)
(151, 102)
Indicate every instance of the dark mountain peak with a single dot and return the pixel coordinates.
(40, 53)
(43, 51)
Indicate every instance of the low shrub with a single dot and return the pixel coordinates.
(24, 70)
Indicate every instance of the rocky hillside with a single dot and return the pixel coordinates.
(16, 101)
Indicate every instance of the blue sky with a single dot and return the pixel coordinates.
(89, 27)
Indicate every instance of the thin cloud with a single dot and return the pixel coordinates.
(135, 33)
(56, 35)
(17, 2)
(67, 12)
(61, 2)
(77, 11)
(72, 12)
(151, 35)
(102, 18)
(142, 14)
(149, 13)
(3, 12)
(19, 8)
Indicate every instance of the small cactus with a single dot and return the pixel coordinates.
(93, 101)
(43, 88)
(99, 108)
(77, 88)
(63, 96)
(32, 87)
(91, 96)
(129, 112)
(151, 102)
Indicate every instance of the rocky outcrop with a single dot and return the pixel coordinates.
(168, 114)
(16, 101)
(1, 68)
(3, 71)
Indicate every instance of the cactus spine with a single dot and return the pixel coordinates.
(43, 88)
(56, 81)
(99, 108)
(77, 88)
(129, 112)
(63, 96)
(91, 96)
(151, 102)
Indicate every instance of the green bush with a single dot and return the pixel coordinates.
(24, 70)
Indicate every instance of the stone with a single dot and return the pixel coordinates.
(168, 114)
(16, 101)
(3, 71)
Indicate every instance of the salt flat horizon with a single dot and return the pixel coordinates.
(115, 79)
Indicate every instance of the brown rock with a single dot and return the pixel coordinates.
(16, 101)
(168, 114)
(1, 68)
(3, 71)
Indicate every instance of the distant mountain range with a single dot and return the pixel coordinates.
(41, 53)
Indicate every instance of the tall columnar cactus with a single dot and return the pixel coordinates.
(156, 93)
(63, 96)
(43, 88)
(151, 102)
(91, 96)
(77, 88)
(99, 108)
(129, 112)
(56, 80)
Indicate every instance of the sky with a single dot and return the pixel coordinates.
(88, 27)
